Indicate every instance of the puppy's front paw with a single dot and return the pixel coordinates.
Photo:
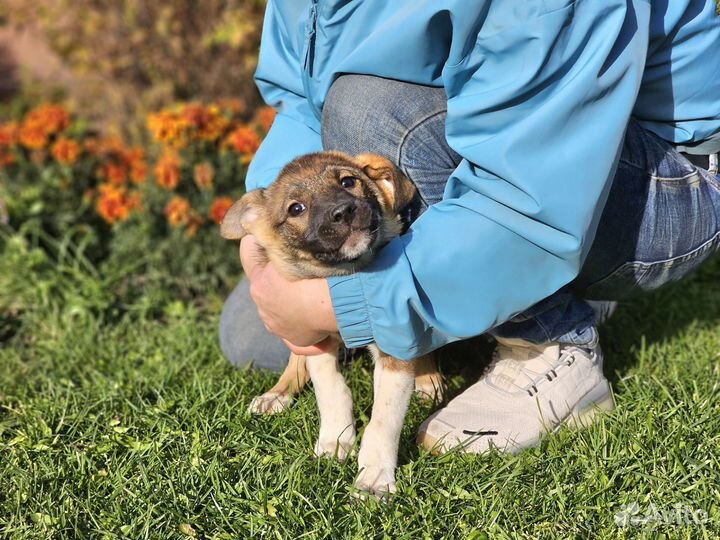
(269, 403)
(376, 482)
(337, 446)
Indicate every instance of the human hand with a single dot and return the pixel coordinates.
(299, 311)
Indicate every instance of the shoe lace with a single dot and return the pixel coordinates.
(510, 369)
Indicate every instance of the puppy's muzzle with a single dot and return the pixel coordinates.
(344, 212)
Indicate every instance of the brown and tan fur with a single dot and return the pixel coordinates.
(311, 245)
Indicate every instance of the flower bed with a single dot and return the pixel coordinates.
(202, 152)
(157, 205)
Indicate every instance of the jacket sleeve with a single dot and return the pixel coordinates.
(279, 78)
(538, 112)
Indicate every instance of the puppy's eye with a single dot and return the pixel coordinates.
(348, 182)
(295, 209)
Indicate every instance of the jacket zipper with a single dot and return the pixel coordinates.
(309, 56)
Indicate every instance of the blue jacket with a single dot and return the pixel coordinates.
(539, 95)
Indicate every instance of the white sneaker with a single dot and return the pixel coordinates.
(527, 391)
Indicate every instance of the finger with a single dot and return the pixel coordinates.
(250, 257)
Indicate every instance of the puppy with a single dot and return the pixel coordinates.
(325, 215)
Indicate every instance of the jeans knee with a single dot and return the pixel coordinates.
(243, 337)
(338, 114)
(371, 114)
(349, 108)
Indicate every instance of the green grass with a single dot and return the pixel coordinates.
(135, 427)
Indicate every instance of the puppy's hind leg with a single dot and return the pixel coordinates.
(394, 383)
(337, 426)
(429, 384)
(290, 383)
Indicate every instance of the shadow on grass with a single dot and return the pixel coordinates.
(661, 316)
(656, 317)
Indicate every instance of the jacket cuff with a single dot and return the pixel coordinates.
(351, 310)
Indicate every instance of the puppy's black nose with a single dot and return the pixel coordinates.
(343, 212)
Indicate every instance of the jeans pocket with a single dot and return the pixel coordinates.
(635, 277)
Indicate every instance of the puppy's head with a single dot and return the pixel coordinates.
(325, 213)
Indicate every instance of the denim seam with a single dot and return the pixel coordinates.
(638, 270)
(632, 267)
(678, 179)
(407, 134)
(622, 270)
(666, 179)
(680, 258)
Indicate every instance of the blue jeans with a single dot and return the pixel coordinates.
(661, 220)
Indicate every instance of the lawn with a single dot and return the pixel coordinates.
(128, 423)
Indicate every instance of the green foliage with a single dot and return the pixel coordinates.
(52, 195)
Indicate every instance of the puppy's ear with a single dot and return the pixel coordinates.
(242, 215)
(397, 188)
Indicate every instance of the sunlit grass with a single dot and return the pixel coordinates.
(135, 427)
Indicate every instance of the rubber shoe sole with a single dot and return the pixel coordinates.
(599, 400)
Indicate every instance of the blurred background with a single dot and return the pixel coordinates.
(121, 60)
(126, 129)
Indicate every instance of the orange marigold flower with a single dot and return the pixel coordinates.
(167, 171)
(264, 117)
(118, 161)
(8, 134)
(52, 118)
(208, 122)
(8, 139)
(115, 203)
(219, 208)
(65, 151)
(195, 114)
(33, 137)
(135, 158)
(177, 211)
(203, 174)
(244, 140)
(41, 123)
(168, 128)
(214, 129)
(115, 173)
